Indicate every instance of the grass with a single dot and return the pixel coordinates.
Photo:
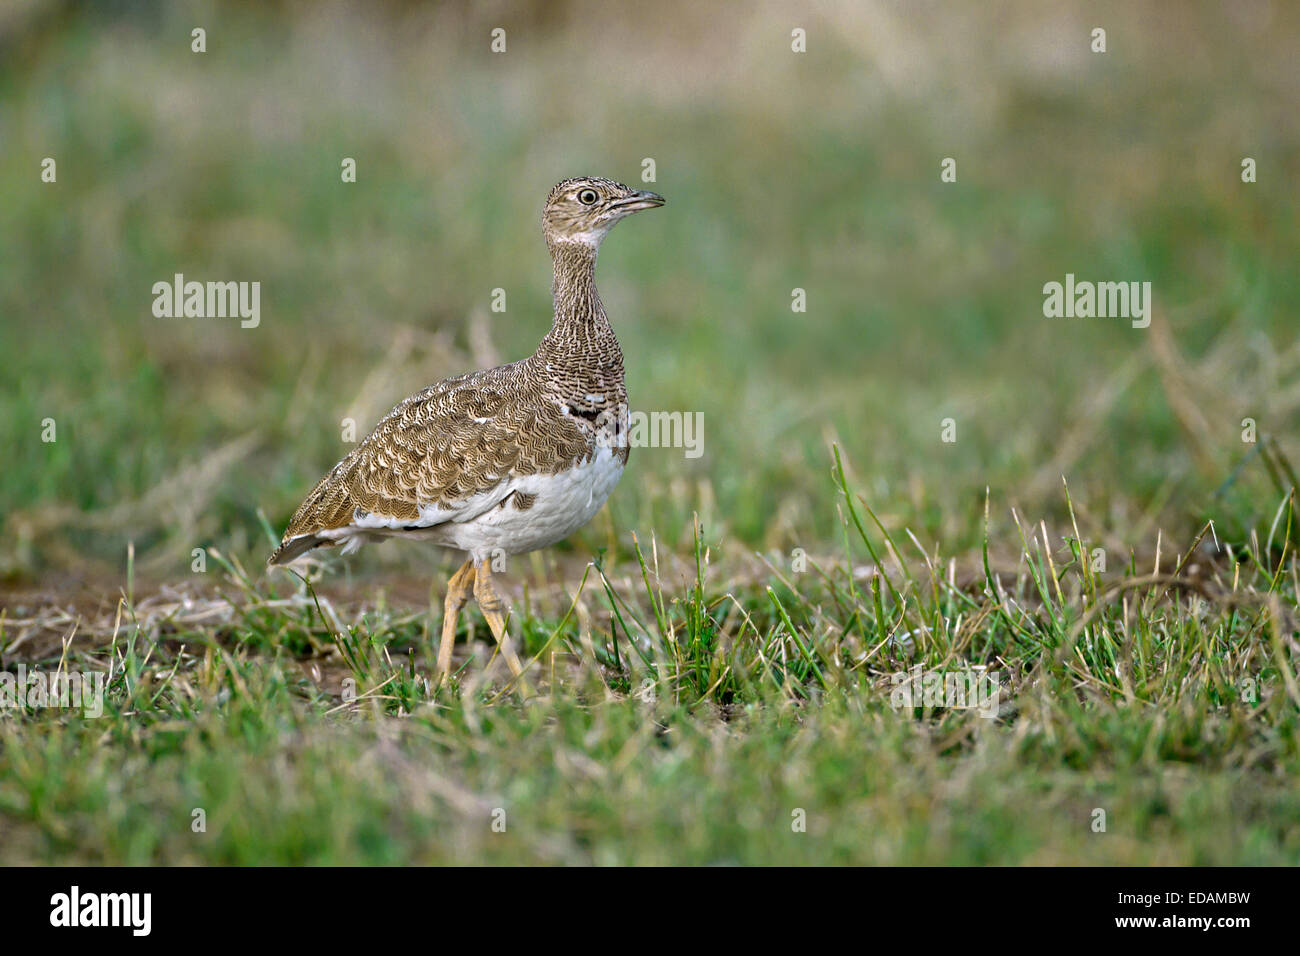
(683, 721)
(718, 649)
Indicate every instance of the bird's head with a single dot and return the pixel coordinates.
(583, 210)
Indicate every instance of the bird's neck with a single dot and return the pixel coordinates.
(581, 330)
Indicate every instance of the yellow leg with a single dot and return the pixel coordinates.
(459, 589)
(494, 610)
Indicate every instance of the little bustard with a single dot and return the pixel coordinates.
(501, 461)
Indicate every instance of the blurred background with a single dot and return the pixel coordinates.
(818, 171)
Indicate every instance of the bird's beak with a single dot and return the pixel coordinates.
(641, 199)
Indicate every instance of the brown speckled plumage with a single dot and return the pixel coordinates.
(542, 415)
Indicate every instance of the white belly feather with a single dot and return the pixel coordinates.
(492, 522)
(565, 502)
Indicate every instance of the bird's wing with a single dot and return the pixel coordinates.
(447, 453)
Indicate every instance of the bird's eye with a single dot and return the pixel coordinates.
(587, 197)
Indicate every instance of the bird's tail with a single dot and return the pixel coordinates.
(295, 548)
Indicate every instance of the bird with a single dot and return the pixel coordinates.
(500, 461)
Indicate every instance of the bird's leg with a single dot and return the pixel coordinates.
(494, 610)
(459, 589)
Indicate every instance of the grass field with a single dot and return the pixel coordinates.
(1112, 531)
